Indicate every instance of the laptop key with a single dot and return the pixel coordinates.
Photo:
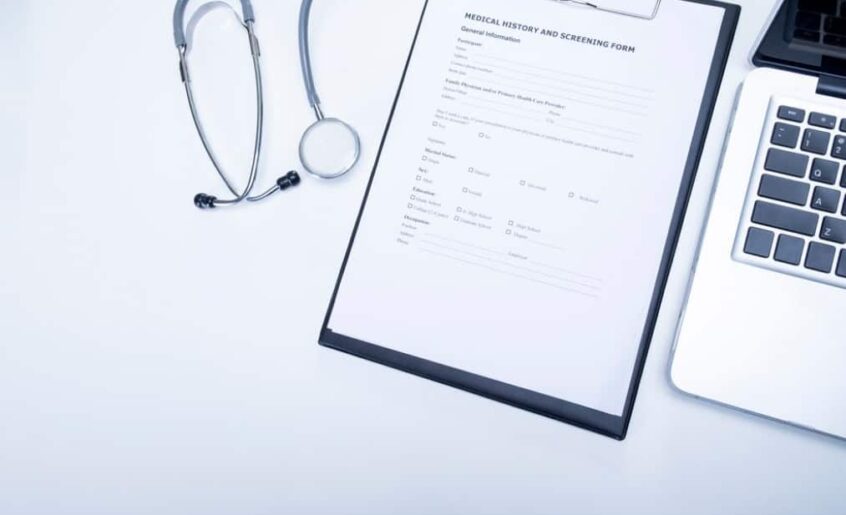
(785, 135)
(826, 121)
(820, 257)
(825, 171)
(833, 40)
(841, 266)
(838, 150)
(785, 218)
(791, 114)
(833, 230)
(825, 199)
(819, 6)
(835, 25)
(785, 190)
(789, 250)
(808, 21)
(759, 242)
(788, 163)
(807, 35)
(816, 141)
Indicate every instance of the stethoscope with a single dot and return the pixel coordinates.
(329, 148)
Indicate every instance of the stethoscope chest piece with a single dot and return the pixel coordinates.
(329, 148)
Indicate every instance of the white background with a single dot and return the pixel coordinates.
(155, 359)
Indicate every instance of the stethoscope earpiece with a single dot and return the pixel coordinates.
(322, 134)
(289, 180)
(204, 201)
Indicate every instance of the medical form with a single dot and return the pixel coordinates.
(518, 215)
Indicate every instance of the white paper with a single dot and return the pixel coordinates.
(521, 204)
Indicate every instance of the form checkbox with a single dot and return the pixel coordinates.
(511, 222)
(508, 232)
(457, 218)
(410, 206)
(465, 190)
(522, 183)
(419, 178)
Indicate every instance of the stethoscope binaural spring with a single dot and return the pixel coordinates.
(329, 147)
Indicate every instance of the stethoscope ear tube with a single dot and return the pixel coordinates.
(202, 200)
(179, 20)
(305, 59)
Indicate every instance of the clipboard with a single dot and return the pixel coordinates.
(614, 425)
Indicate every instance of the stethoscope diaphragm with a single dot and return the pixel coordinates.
(329, 148)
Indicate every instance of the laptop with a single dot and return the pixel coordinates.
(764, 326)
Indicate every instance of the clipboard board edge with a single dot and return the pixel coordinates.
(722, 52)
(515, 396)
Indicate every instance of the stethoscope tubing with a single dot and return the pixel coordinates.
(305, 59)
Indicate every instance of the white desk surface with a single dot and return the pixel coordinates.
(159, 360)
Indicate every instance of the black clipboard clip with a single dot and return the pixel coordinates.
(648, 11)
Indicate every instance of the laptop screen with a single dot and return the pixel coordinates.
(806, 36)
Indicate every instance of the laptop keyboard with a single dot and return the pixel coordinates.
(821, 21)
(795, 215)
